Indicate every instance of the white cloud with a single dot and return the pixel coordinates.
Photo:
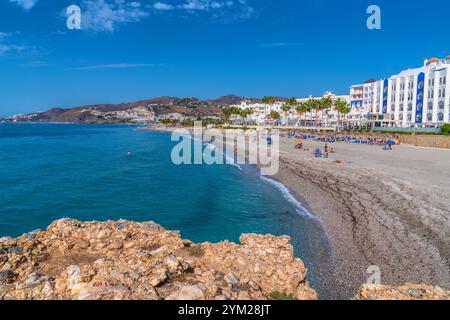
(111, 66)
(108, 15)
(163, 6)
(236, 8)
(6, 47)
(26, 4)
(101, 15)
(277, 44)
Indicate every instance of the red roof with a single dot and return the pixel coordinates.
(433, 60)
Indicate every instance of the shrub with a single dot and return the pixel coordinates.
(446, 128)
(280, 296)
(194, 251)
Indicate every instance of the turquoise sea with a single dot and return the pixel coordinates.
(51, 171)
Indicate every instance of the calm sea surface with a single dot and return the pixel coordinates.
(51, 171)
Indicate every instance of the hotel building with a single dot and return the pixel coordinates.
(262, 111)
(413, 98)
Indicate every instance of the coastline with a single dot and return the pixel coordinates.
(372, 218)
(375, 211)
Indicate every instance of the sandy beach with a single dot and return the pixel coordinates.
(388, 209)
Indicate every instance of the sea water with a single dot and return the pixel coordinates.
(110, 172)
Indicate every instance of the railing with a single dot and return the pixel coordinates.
(430, 130)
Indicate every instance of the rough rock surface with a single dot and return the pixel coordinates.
(129, 260)
(406, 292)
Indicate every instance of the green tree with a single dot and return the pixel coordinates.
(445, 129)
(245, 113)
(269, 100)
(292, 102)
(302, 108)
(274, 115)
(342, 107)
(326, 104)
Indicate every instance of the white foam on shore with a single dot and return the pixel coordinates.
(289, 197)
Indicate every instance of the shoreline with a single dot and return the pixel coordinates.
(373, 211)
(373, 216)
(366, 224)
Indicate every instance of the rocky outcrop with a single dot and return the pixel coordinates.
(406, 292)
(129, 260)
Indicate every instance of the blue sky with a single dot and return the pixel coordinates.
(130, 50)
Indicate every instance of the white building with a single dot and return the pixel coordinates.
(329, 116)
(261, 112)
(414, 97)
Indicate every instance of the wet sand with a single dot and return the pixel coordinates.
(388, 209)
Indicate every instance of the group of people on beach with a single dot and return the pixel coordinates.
(348, 138)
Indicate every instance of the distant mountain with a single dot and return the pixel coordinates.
(139, 111)
(230, 100)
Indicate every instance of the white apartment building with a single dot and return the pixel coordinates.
(292, 118)
(415, 97)
(331, 115)
(261, 111)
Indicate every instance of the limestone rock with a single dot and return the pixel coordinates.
(406, 292)
(143, 261)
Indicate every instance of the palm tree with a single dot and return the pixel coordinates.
(274, 115)
(326, 104)
(342, 107)
(228, 112)
(292, 102)
(302, 108)
(245, 113)
(269, 100)
(313, 105)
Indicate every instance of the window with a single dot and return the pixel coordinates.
(421, 85)
(429, 116)
(440, 116)
(419, 118)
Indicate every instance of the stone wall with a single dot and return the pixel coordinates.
(421, 140)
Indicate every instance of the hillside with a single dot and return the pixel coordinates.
(143, 111)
